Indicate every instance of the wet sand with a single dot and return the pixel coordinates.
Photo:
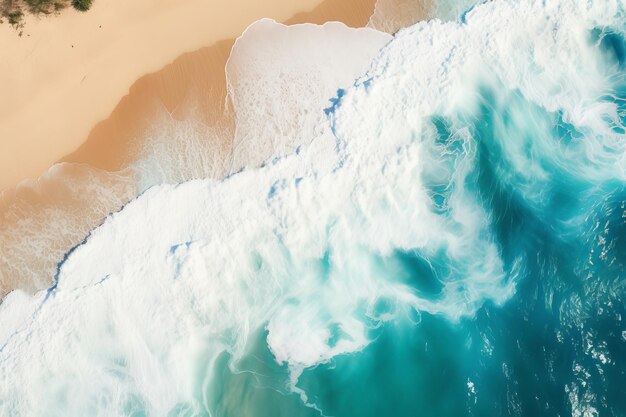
(392, 15)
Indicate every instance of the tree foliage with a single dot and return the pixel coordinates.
(13, 11)
(82, 5)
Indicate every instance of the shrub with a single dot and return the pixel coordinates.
(15, 18)
(12, 11)
(40, 6)
(82, 5)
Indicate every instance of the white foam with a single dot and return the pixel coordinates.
(279, 78)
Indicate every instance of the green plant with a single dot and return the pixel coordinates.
(15, 18)
(82, 5)
(13, 11)
(40, 6)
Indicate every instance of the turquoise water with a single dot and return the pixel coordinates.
(556, 348)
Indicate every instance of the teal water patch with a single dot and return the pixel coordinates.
(611, 44)
(418, 272)
(408, 370)
(256, 386)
